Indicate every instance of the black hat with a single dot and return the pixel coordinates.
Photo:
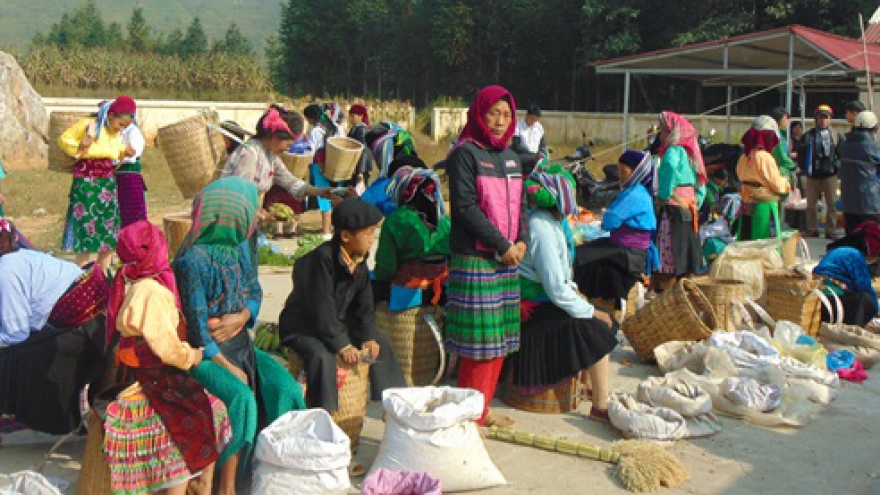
(855, 106)
(534, 110)
(355, 214)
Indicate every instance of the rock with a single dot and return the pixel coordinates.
(23, 119)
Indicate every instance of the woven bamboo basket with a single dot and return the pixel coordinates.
(559, 398)
(352, 395)
(721, 292)
(790, 248)
(415, 348)
(193, 152)
(297, 164)
(789, 296)
(680, 313)
(610, 305)
(59, 122)
(94, 475)
(176, 227)
(343, 155)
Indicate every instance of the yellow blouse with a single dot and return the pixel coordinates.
(149, 311)
(760, 177)
(107, 146)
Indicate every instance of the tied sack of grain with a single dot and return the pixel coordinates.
(747, 261)
(302, 452)
(432, 430)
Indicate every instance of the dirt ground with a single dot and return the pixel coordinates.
(835, 454)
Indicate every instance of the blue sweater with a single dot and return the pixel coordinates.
(847, 265)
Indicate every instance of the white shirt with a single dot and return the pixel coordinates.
(316, 138)
(132, 135)
(531, 136)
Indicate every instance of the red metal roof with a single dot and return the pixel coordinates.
(848, 51)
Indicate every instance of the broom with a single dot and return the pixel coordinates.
(641, 466)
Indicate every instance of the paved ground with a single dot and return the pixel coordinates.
(835, 454)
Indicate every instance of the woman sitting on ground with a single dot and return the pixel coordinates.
(846, 271)
(608, 268)
(163, 432)
(413, 249)
(221, 298)
(762, 186)
(562, 333)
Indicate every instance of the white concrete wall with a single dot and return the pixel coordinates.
(607, 127)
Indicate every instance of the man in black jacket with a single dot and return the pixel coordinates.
(330, 311)
(819, 160)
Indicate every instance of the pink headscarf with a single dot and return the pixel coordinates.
(273, 123)
(358, 109)
(143, 250)
(683, 134)
(476, 129)
(759, 139)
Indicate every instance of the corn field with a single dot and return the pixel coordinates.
(98, 68)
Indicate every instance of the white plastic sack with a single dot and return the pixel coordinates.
(747, 261)
(639, 420)
(432, 430)
(32, 483)
(746, 349)
(749, 393)
(302, 452)
(679, 354)
(687, 399)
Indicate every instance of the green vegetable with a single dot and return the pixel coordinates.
(307, 243)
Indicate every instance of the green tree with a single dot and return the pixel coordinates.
(114, 38)
(234, 42)
(173, 44)
(196, 41)
(138, 31)
(83, 27)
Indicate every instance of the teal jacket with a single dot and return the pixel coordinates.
(675, 170)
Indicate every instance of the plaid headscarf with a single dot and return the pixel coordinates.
(224, 216)
(555, 187)
(408, 184)
(642, 165)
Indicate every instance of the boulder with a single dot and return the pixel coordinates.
(23, 119)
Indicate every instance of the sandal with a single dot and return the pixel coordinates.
(499, 420)
(356, 469)
(600, 415)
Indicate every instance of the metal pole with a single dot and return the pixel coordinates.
(790, 76)
(867, 66)
(626, 81)
(727, 110)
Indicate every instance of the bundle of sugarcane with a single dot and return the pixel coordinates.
(641, 466)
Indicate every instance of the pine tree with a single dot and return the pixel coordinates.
(196, 41)
(234, 42)
(138, 31)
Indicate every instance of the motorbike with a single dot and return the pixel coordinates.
(721, 155)
(592, 192)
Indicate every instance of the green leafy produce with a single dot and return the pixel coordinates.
(307, 243)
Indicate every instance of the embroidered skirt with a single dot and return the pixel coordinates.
(93, 216)
(141, 453)
(132, 198)
(482, 308)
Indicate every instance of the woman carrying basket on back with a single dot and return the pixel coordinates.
(257, 159)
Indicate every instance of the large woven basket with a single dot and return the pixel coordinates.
(417, 350)
(352, 395)
(679, 313)
(94, 473)
(721, 292)
(297, 164)
(193, 151)
(176, 226)
(343, 155)
(789, 296)
(559, 398)
(59, 122)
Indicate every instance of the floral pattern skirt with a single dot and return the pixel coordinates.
(93, 216)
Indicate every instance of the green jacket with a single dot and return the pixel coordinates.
(782, 155)
(405, 237)
(675, 170)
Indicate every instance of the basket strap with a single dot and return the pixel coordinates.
(226, 133)
(438, 338)
(761, 313)
(804, 249)
(747, 317)
(827, 303)
(622, 308)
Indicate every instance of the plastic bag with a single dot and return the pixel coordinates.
(302, 452)
(382, 482)
(678, 354)
(747, 261)
(748, 392)
(33, 483)
(432, 430)
(639, 420)
(718, 228)
(786, 338)
(746, 349)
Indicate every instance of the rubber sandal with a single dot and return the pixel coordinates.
(356, 469)
(499, 420)
(600, 415)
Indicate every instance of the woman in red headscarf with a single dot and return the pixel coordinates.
(359, 119)
(763, 186)
(163, 429)
(681, 180)
(487, 241)
(93, 214)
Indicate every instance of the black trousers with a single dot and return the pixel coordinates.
(320, 368)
